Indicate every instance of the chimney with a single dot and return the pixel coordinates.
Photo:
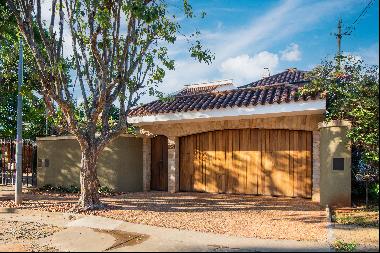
(292, 70)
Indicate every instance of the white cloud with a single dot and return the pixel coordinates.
(370, 55)
(276, 24)
(244, 68)
(291, 53)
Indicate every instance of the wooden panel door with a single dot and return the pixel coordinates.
(159, 163)
(247, 161)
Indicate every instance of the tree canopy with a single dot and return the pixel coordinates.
(352, 94)
(118, 52)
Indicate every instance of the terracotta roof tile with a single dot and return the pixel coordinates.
(279, 88)
(283, 93)
(291, 76)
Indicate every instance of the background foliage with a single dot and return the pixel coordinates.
(33, 107)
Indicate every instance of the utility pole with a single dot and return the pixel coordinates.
(339, 39)
(18, 186)
(349, 29)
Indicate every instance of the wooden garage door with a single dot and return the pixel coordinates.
(247, 161)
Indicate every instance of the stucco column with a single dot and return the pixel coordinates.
(146, 163)
(173, 164)
(335, 160)
(316, 166)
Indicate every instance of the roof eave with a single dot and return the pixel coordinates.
(317, 106)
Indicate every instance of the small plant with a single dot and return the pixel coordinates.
(341, 246)
(105, 190)
(368, 175)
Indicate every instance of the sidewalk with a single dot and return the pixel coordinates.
(94, 233)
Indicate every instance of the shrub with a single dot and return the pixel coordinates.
(47, 188)
(72, 189)
(60, 189)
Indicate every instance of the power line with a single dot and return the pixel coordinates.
(351, 28)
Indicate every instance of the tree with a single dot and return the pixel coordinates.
(353, 94)
(120, 52)
(33, 109)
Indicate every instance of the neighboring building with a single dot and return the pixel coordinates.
(262, 138)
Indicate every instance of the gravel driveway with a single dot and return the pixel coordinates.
(249, 216)
(240, 215)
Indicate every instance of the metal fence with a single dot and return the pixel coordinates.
(8, 162)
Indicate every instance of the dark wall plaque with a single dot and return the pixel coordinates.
(338, 163)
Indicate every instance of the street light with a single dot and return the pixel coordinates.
(18, 186)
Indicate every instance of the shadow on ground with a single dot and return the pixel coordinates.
(241, 215)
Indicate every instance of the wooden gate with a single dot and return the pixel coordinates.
(247, 161)
(159, 163)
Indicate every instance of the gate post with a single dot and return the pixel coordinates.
(173, 164)
(335, 159)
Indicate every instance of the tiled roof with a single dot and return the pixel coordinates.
(283, 93)
(290, 76)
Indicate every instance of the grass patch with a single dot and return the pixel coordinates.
(341, 246)
(364, 217)
(353, 220)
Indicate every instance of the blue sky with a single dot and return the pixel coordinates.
(248, 35)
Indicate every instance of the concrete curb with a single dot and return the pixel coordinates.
(329, 227)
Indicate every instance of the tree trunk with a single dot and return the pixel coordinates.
(89, 182)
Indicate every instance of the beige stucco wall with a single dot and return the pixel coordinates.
(335, 186)
(119, 166)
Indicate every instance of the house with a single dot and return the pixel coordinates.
(262, 138)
